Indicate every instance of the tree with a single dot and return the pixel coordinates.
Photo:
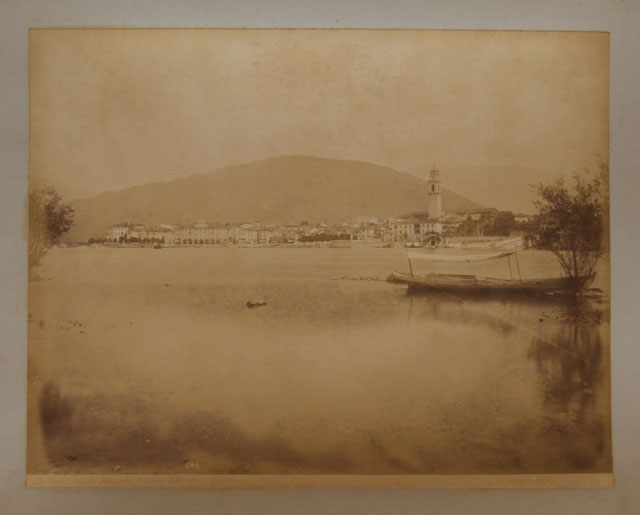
(49, 219)
(502, 224)
(469, 227)
(570, 225)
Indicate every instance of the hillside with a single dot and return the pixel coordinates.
(275, 190)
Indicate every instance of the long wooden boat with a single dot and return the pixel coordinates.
(470, 283)
(463, 283)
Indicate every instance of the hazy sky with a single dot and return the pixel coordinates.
(116, 108)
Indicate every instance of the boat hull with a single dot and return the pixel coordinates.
(472, 284)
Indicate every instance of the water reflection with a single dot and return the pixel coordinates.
(570, 366)
(174, 373)
(573, 372)
(568, 344)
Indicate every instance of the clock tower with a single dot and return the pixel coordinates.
(434, 195)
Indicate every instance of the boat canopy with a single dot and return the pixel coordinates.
(458, 257)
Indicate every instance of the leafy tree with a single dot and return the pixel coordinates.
(49, 219)
(469, 228)
(570, 225)
(502, 224)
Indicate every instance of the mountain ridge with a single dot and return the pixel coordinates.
(274, 190)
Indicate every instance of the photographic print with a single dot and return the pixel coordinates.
(286, 257)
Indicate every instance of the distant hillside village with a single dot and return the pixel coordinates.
(432, 227)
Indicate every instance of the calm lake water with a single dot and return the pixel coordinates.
(146, 360)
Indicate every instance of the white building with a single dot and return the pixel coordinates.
(118, 231)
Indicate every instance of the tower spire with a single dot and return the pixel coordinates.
(434, 193)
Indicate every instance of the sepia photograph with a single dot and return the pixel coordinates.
(305, 257)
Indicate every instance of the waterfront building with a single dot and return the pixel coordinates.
(367, 232)
(117, 231)
(414, 229)
(137, 231)
(286, 234)
(264, 236)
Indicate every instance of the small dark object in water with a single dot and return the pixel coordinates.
(254, 303)
(394, 279)
(541, 320)
(72, 458)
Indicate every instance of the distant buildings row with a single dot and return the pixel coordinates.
(412, 228)
(429, 227)
(203, 233)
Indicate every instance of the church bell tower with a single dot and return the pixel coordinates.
(434, 194)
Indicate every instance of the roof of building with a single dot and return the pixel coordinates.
(413, 218)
